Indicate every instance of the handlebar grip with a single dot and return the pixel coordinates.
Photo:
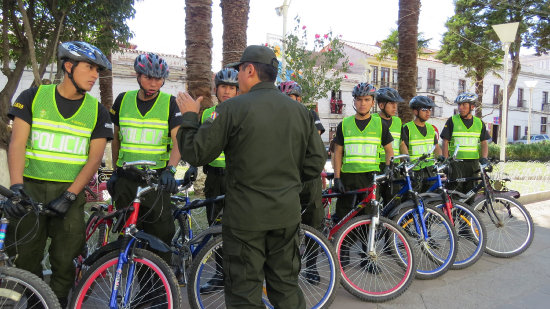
(6, 192)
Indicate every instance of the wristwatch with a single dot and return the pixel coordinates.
(172, 169)
(70, 196)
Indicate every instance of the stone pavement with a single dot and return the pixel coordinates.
(519, 282)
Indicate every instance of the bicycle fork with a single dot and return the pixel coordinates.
(372, 229)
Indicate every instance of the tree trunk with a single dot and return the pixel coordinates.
(6, 96)
(235, 23)
(409, 11)
(51, 48)
(30, 41)
(198, 49)
(478, 85)
(106, 85)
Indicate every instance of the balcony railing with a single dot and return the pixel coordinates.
(437, 111)
(521, 102)
(418, 82)
(546, 107)
(384, 83)
(433, 84)
(336, 106)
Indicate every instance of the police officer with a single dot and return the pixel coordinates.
(311, 195)
(356, 147)
(419, 137)
(146, 122)
(387, 99)
(227, 87)
(271, 146)
(469, 132)
(57, 143)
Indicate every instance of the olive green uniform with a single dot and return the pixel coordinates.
(271, 146)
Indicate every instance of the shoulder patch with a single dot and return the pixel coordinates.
(109, 125)
(214, 115)
(18, 105)
(112, 111)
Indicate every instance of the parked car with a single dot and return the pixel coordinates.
(535, 138)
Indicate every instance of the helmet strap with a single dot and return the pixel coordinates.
(384, 110)
(71, 78)
(146, 93)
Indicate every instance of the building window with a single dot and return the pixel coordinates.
(461, 86)
(374, 76)
(332, 130)
(432, 82)
(517, 132)
(336, 105)
(542, 125)
(394, 81)
(545, 97)
(384, 77)
(521, 101)
(496, 93)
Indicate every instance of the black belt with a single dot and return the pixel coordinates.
(209, 169)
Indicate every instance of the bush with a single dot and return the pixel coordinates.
(523, 152)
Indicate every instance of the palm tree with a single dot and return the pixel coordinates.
(409, 11)
(198, 49)
(235, 23)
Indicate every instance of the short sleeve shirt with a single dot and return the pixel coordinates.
(22, 108)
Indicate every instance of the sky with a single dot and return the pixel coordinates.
(159, 25)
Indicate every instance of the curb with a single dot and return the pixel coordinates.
(535, 197)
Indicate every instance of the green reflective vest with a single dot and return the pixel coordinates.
(57, 147)
(219, 161)
(420, 144)
(467, 139)
(144, 137)
(361, 147)
(395, 131)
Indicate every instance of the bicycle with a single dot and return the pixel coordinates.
(20, 288)
(129, 275)
(375, 255)
(317, 255)
(510, 228)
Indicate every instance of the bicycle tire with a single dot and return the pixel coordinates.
(317, 295)
(436, 254)
(22, 289)
(514, 234)
(94, 290)
(471, 234)
(394, 270)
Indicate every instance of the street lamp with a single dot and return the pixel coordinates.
(530, 84)
(506, 34)
(282, 10)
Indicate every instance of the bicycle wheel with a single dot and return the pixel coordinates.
(471, 234)
(22, 289)
(380, 275)
(509, 233)
(318, 278)
(153, 284)
(436, 253)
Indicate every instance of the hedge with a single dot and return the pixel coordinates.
(523, 152)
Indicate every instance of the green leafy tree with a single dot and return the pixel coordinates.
(48, 23)
(465, 44)
(390, 46)
(318, 69)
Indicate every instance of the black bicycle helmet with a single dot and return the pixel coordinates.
(227, 76)
(290, 88)
(421, 101)
(363, 89)
(151, 65)
(466, 97)
(82, 51)
(387, 94)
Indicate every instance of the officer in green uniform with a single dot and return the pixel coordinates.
(57, 143)
(271, 146)
(470, 134)
(227, 87)
(419, 137)
(146, 122)
(387, 99)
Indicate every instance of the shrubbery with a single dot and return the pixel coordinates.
(523, 152)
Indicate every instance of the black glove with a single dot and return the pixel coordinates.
(388, 171)
(440, 158)
(190, 175)
(61, 204)
(168, 181)
(15, 210)
(484, 161)
(111, 184)
(338, 186)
